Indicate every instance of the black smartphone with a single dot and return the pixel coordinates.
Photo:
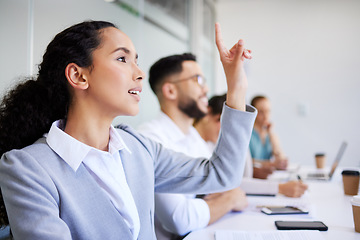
(273, 210)
(301, 225)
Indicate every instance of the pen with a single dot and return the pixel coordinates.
(299, 178)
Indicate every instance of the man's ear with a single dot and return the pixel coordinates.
(76, 76)
(169, 91)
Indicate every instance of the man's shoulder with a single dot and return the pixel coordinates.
(149, 126)
(157, 129)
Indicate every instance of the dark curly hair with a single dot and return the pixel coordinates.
(27, 111)
(167, 66)
(216, 104)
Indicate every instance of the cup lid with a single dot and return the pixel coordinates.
(350, 172)
(355, 200)
(319, 154)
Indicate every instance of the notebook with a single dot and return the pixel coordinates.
(327, 176)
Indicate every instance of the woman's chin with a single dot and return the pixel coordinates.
(133, 112)
(128, 112)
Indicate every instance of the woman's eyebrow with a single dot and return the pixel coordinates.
(125, 50)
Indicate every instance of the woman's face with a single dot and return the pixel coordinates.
(263, 117)
(214, 127)
(115, 80)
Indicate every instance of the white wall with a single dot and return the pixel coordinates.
(306, 56)
(51, 17)
(14, 59)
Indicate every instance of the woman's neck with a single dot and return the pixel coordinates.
(261, 131)
(88, 129)
(202, 131)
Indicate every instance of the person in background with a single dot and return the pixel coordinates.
(67, 173)
(181, 89)
(264, 144)
(209, 128)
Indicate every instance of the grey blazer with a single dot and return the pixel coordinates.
(46, 199)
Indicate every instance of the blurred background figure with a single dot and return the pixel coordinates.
(264, 144)
(209, 127)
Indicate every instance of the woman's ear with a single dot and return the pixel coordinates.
(76, 76)
(169, 91)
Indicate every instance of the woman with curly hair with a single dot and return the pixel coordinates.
(66, 173)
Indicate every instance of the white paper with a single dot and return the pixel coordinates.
(268, 235)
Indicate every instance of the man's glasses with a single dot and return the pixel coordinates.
(199, 79)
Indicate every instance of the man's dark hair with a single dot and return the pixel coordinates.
(167, 66)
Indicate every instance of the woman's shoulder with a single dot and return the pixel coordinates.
(34, 160)
(37, 153)
(135, 140)
(38, 146)
(127, 132)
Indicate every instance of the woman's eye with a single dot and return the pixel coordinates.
(122, 59)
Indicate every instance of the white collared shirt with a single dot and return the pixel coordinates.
(105, 167)
(165, 131)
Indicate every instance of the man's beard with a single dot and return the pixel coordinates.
(191, 109)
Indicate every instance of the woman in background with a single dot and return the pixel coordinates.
(84, 179)
(264, 144)
(209, 128)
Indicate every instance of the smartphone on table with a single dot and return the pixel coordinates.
(277, 210)
(301, 225)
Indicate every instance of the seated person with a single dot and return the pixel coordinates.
(264, 144)
(181, 89)
(67, 173)
(209, 128)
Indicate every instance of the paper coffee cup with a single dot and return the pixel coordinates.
(320, 160)
(355, 202)
(351, 180)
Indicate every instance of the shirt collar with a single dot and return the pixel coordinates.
(174, 132)
(73, 151)
(116, 142)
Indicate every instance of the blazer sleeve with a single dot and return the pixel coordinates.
(178, 173)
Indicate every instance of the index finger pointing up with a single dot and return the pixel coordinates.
(219, 40)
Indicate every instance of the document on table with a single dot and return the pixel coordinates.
(268, 235)
(256, 203)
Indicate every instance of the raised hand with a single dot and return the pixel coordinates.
(233, 64)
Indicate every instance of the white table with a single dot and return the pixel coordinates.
(327, 203)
